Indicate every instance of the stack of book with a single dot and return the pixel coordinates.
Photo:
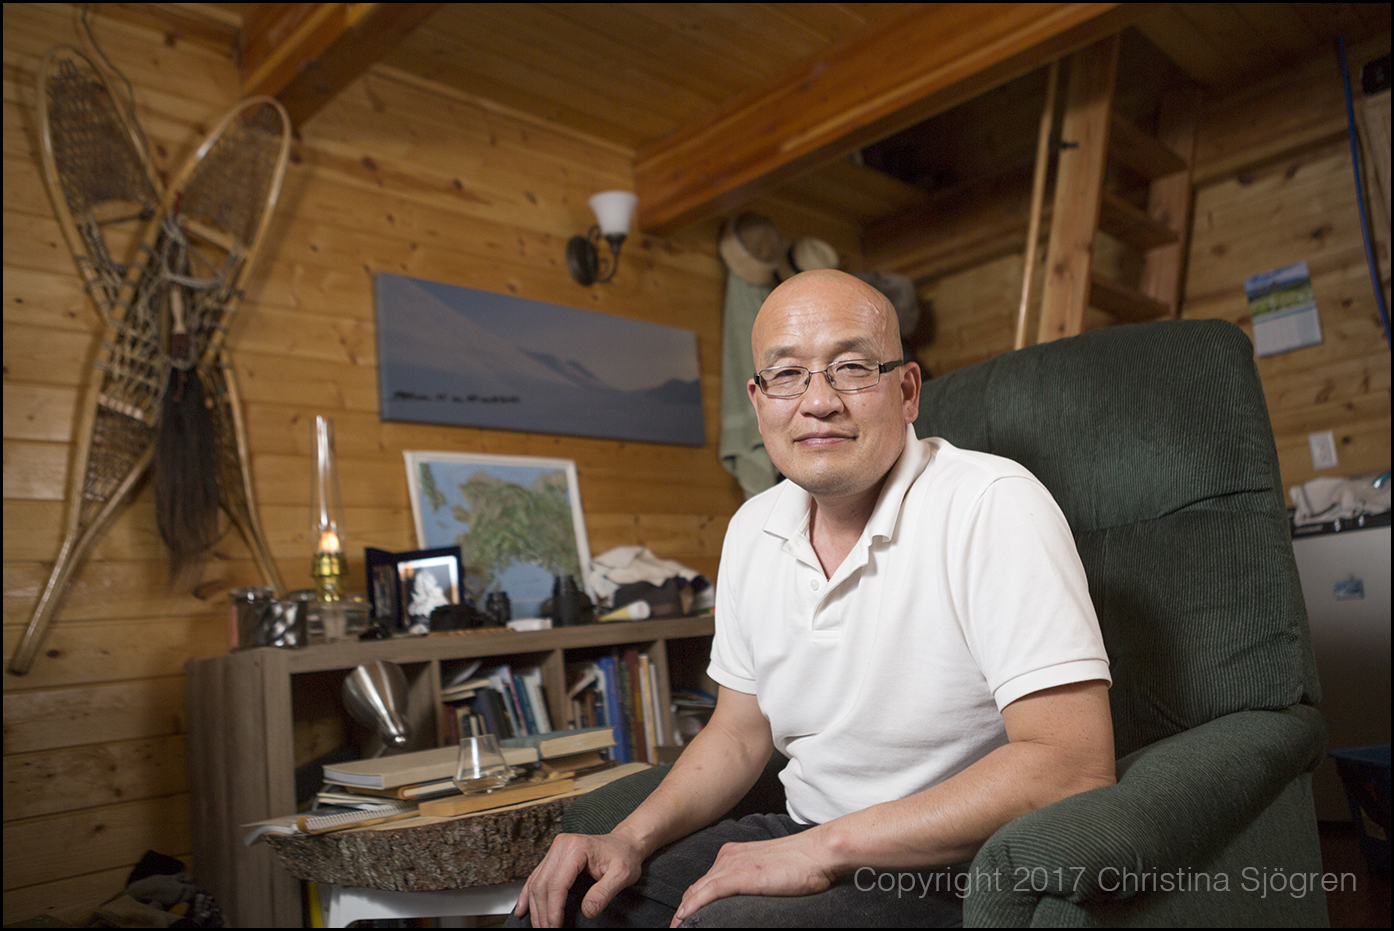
(496, 701)
(620, 691)
(545, 765)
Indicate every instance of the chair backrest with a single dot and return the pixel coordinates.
(1155, 441)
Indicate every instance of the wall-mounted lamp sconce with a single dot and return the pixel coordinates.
(613, 211)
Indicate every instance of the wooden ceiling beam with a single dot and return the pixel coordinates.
(890, 75)
(304, 54)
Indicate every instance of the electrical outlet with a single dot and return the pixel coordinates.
(1323, 447)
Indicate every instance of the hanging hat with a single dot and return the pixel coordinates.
(805, 254)
(750, 245)
(900, 291)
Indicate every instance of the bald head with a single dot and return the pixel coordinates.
(837, 443)
(811, 297)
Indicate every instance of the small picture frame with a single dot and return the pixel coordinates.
(403, 588)
(427, 584)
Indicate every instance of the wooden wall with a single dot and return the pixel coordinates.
(1274, 186)
(394, 176)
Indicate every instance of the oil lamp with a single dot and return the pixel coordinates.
(327, 517)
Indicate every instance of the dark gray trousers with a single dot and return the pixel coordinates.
(867, 898)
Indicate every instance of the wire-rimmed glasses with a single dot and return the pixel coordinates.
(790, 381)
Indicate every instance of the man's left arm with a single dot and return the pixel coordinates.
(1060, 742)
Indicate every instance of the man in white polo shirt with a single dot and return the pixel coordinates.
(908, 622)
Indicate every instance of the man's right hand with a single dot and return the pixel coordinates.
(612, 862)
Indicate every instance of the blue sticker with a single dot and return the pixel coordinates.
(1349, 590)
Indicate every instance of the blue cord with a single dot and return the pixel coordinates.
(1360, 191)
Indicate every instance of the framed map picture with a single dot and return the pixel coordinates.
(516, 519)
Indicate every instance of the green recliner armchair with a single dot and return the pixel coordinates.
(1155, 441)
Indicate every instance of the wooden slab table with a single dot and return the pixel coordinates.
(471, 864)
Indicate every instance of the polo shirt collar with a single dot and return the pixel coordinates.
(789, 517)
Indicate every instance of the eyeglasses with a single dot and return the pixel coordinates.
(790, 381)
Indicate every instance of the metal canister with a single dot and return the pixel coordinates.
(249, 606)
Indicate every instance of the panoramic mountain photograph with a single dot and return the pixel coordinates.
(452, 355)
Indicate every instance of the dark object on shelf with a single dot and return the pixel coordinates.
(498, 608)
(464, 616)
(671, 599)
(568, 605)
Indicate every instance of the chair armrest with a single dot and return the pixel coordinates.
(598, 812)
(1176, 803)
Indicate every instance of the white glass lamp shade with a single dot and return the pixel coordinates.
(614, 210)
(327, 503)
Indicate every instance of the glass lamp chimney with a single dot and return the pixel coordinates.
(327, 516)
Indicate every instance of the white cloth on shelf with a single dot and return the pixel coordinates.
(625, 565)
(1326, 499)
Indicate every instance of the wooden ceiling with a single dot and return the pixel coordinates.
(629, 73)
(637, 74)
(633, 73)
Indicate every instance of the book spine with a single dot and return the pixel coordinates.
(631, 698)
(532, 679)
(660, 719)
(525, 705)
(614, 709)
(646, 706)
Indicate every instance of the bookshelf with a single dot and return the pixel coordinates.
(256, 714)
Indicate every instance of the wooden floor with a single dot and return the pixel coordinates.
(1368, 905)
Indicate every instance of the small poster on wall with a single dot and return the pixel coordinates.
(1283, 307)
(452, 355)
(516, 519)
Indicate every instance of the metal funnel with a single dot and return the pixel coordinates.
(376, 695)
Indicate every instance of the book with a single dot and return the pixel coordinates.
(465, 689)
(389, 772)
(563, 743)
(573, 763)
(312, 823)
(646, 708)
(532, 683)
(322, 824)
(614, 713)
(511, 795)
(418, 790)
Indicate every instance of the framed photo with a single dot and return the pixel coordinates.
(403, 588)
(516, 519)
(426, 584)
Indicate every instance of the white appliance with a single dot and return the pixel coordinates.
(1345, 581)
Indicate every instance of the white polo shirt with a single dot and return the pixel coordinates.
(964, 593)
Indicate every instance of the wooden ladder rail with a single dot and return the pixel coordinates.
(1091, 134)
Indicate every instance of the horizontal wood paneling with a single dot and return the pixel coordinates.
(53, 847)
(396, 175)
(53, 781)
(76, 896)
(48, 719)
